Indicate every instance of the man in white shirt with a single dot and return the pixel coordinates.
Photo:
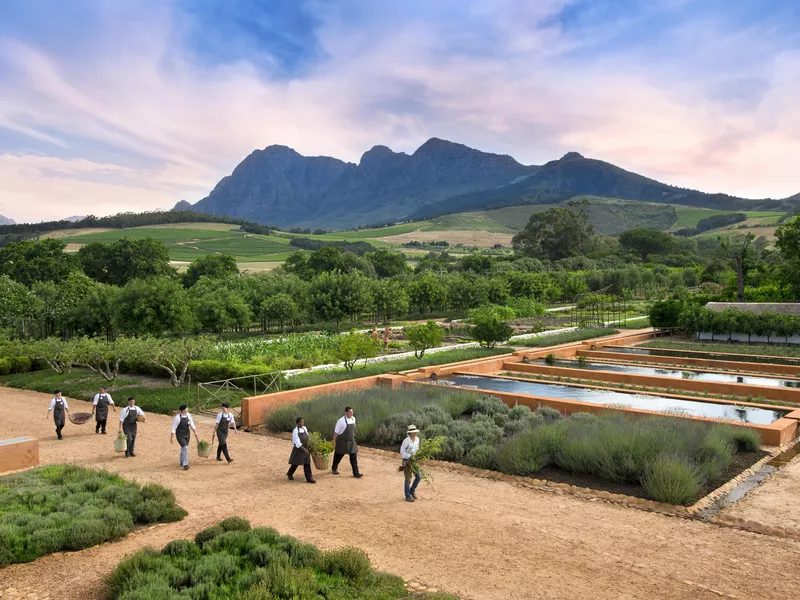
(181, 426)
(408, 449)
(344, 442)
(225, 421)
(127, 423)
(300, 453)
(100, 404)
(58, 406)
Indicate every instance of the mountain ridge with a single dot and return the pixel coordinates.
(278, 185)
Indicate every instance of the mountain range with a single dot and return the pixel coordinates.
(279, 186)
(6, 221)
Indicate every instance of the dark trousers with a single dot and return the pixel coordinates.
(59, 427)
(306, 471)
(337, 458)
(130, 431)
(100, 425)
(223, 449)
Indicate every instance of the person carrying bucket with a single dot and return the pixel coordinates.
(181, 426)
(58, 406)
(224, 421)
(100, 404)
(127, 424)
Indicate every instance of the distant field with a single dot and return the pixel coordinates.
(468, 238)
(688, 216)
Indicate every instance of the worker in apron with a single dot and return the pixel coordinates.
(344, 442)
(182, 425)
(300, 453)
(100, 404)
(225, 421)
(58, 406)
(127, 423)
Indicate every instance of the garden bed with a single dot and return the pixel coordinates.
(61, 507)
(567, 337)
(231, 560)
(693, 345)
(670, 460)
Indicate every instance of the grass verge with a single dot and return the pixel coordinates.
(231, 560)
(726, 348)
(567, 337)
(63, 507)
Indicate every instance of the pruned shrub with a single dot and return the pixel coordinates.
(351, 563)
(524, 454)
(181, 549)
(672, 479)
(208, 534)
(482, 457)
(490, 405)
(519, 412)
(549, 415)
(235, 524)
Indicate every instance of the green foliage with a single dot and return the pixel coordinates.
(127, 259)
(354, 346)
(28, 262)
(482, 456)
(153, 307)
(554, 234)
(422, 337)
(213, 266)
(646, 242)
(673, 480)
(338, 296)
(665, 314)
(251, 564)
(281, 309)
(568, 337)
(489, 325)
(60, 507)
(318, 445)
(694, 319)
(218, 306)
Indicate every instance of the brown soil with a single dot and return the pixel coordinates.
(478, 538)
(468, 238)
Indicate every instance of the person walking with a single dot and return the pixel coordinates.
(100, 404)
(344, 442)
(374, 334)
(387, 333)
(181, 426)
(127, 423)
(224, 421)
(300, 453)
(408, 449)
(58, 406)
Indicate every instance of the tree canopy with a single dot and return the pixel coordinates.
(646, 242)
(555, 234)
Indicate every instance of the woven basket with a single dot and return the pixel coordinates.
(322, 462)
(80, 418)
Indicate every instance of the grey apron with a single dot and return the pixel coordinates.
(223, 427)
(101, 412)
(182, 433)
(58, 413)
(346, 443)
(300, 457)
(129, 424)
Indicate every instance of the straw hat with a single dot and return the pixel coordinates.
(413, 429)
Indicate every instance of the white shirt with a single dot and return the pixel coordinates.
(409, 447)
(222, 415)
(124, 412)
(341, 425)
(177, 421)
(53, 403)
(108, 399)
(296, 436)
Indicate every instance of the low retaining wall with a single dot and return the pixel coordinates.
(778, 433)
(712, 387)
(718, 365)
(18, 453)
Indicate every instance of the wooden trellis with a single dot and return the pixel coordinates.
(599, 308)
(211, 394)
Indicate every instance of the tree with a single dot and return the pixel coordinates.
(389, 299)
(480, 264)
(153, 307)
(555, 234)
(55, 353)
(427, 292)
(218, 307)
(337, 296)
(105, 357)
(354, 346)
(489, 325)
(421, 337)
(29, 262)
(58, 302)
(665, 314)
(738, 249)
(18, 305)
(281, 309)
(213, 266)
(388, 263)
(646, 242)
(124, 260)
(94, 314)
(172, 356)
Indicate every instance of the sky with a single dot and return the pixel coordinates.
(111, 105)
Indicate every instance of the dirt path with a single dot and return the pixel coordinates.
(481, 539)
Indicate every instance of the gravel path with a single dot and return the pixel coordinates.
(482, 539)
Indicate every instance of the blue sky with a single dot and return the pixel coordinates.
(111, 105)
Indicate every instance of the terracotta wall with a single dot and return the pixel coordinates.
(19, 453)
(726, 389)
(698, 362)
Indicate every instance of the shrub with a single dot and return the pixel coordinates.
(235, 524)
(548, 415)
(208, 534)
(483, 456)
(745, 439)
(672, 480)
(214, 568)
(519, 412)
(524, 454)
(665, 314)
(181, 549)
(351, 563)
(490, 405)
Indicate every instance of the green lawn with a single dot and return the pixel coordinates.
(688, 216)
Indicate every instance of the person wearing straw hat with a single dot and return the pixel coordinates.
(127, 423)
(224, 422)
(344, 442)
(58, 406)
(300, 453)
(408, 449)
(181, 426)
(100, 404)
